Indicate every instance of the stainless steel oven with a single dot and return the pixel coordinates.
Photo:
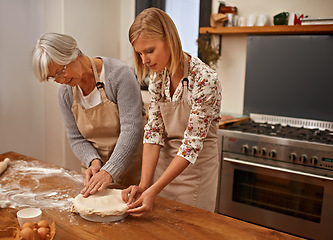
(279, 182)
(277, 169)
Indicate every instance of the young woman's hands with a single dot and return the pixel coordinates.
(131, 193)
(139, 201)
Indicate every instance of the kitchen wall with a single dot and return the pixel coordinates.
(30, 120)
(232, 64)
(22, 105)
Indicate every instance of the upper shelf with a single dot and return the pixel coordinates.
(280, 29)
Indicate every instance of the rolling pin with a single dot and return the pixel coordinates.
(4, 164)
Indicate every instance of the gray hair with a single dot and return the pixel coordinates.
(60, 48)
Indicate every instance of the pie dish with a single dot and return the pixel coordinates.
(104, 206)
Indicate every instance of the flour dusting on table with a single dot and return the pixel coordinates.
(15, 193)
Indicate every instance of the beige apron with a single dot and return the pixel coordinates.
(197, 184)
(100, 125)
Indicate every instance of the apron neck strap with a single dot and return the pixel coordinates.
(163, 81)
(186, 63)
(93, 66)
(185, 75)
(99, 84)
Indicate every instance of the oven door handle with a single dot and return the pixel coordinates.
(275, 168)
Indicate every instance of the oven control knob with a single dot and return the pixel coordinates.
(272, 154)
(292, 156)
(314, 160)
(245, 149)
(254, 150)
(263, 152)
(303, 158)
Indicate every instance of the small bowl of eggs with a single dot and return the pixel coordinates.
(37, 230)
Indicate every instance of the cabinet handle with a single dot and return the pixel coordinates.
(276, 168)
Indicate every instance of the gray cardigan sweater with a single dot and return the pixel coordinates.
(122, 88)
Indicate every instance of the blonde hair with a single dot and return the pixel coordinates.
(60, 48)
(156, 24)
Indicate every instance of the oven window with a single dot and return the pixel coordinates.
(298, 199)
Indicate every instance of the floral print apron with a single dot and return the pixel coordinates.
(197, 184)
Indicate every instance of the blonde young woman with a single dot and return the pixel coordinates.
(180, 154)
(101, 104)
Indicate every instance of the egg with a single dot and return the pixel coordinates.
(43, 232)
(27, 233)
(43, 223)
(27, 225)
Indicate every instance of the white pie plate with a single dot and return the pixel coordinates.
(98, 218)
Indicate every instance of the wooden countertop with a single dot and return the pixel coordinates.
(227, 120)
(31, 182)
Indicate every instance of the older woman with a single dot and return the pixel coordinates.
(180, 154)
(102, 108)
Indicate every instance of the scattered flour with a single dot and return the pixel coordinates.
(15, 194)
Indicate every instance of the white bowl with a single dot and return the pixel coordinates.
(29, 215)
